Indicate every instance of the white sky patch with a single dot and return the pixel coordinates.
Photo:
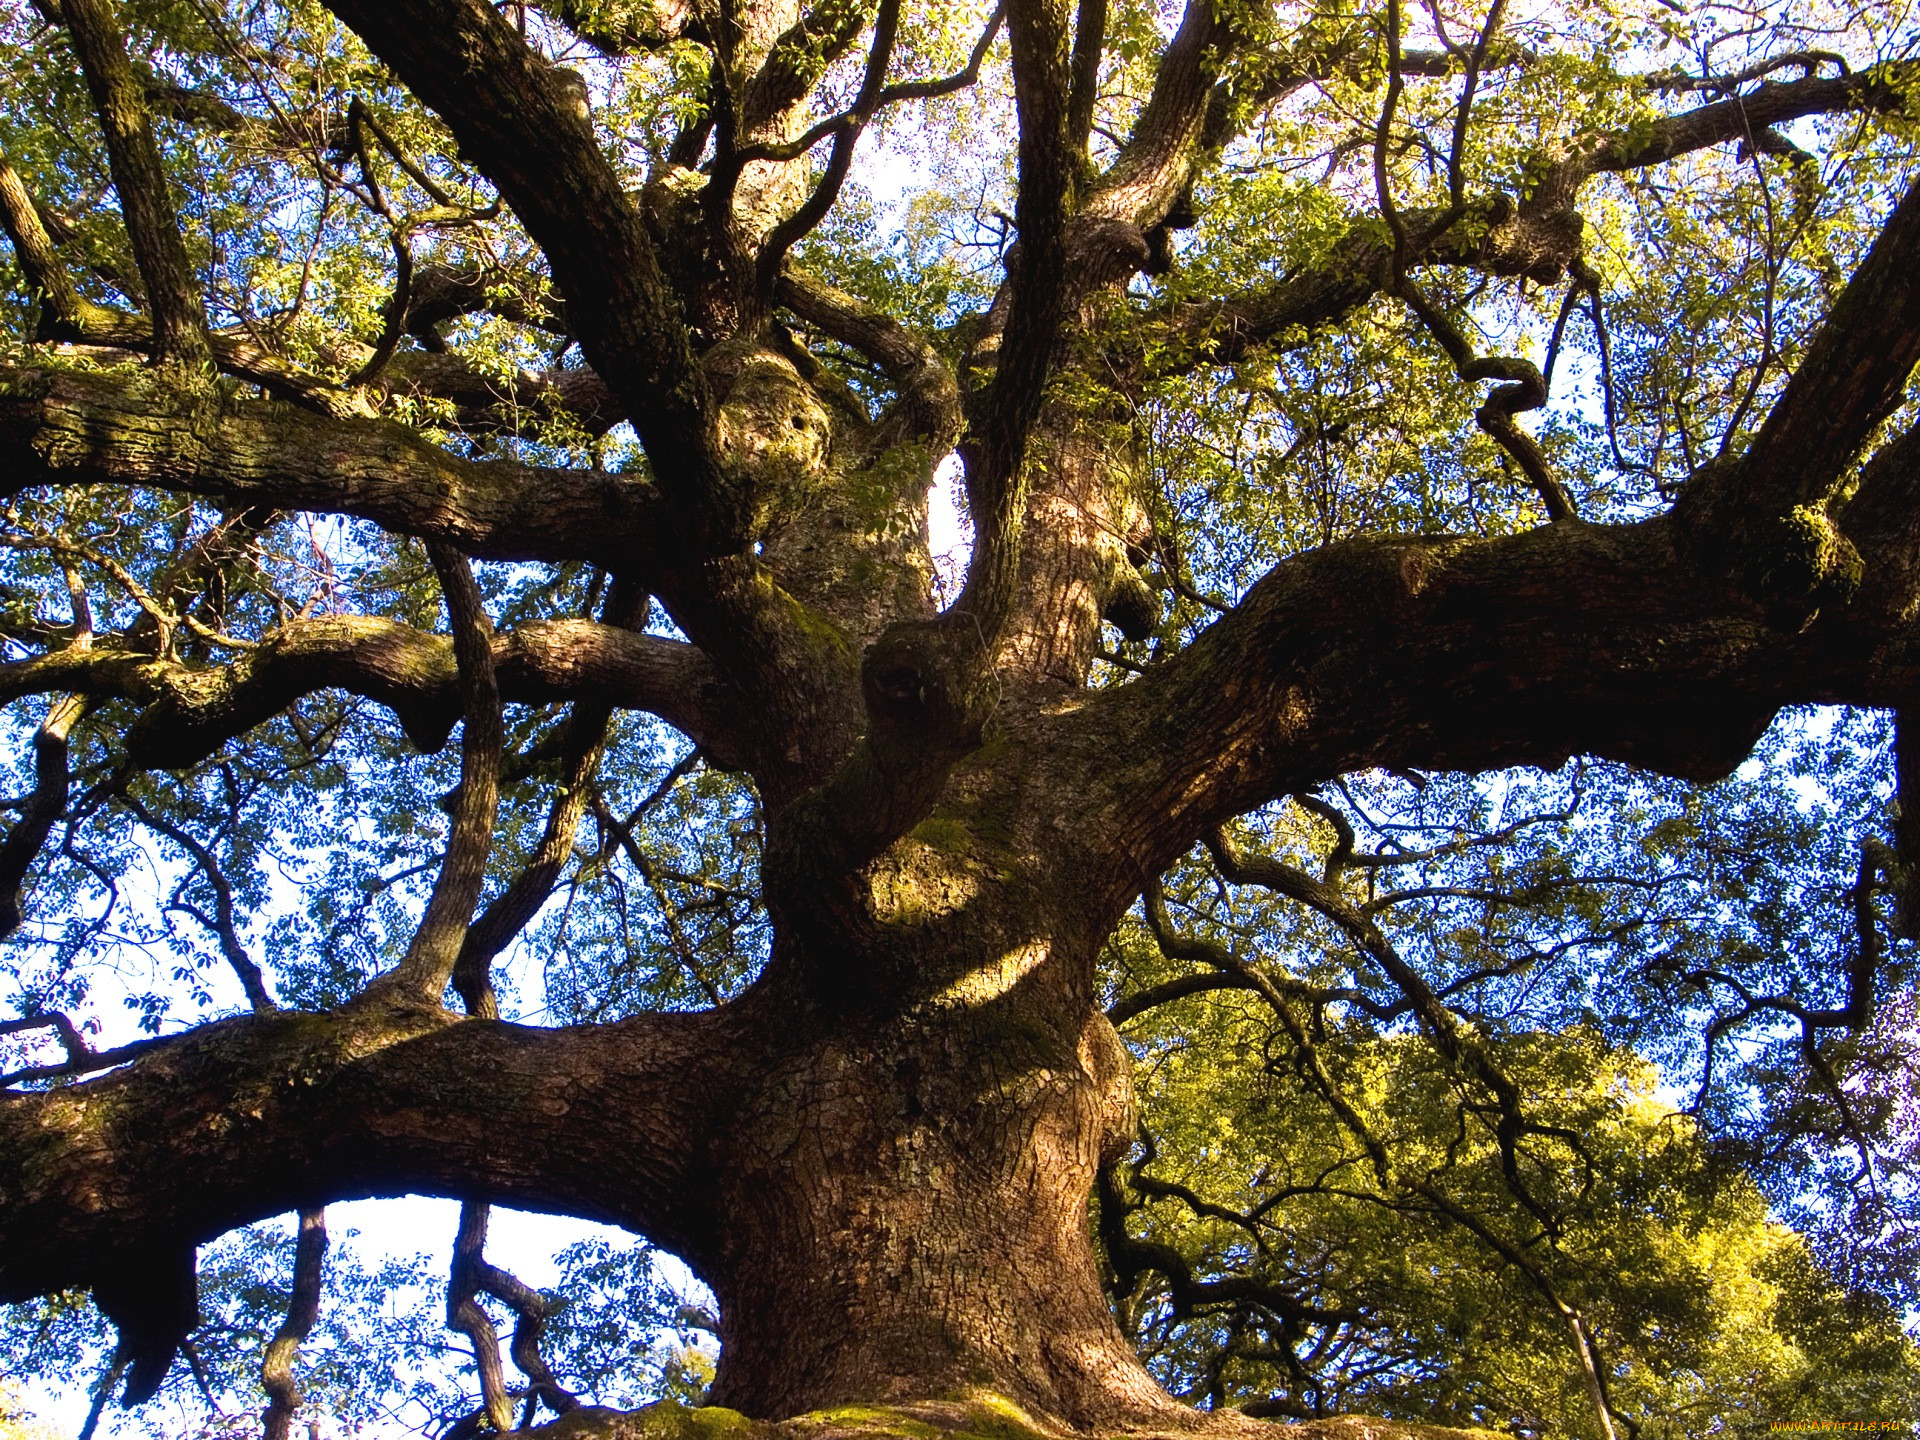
(949, 529)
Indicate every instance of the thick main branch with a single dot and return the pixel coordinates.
(257, 1116)
(65, 428)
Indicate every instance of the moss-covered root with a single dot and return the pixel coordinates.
(985, 1417)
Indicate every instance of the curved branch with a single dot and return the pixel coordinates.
(929, 394)
(423, 972)
(189, 712)
(582, 744)
(1459, 653)
(466, 1314)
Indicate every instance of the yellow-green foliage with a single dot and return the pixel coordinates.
(1711, 1317)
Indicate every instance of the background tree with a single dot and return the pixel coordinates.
(803, 870)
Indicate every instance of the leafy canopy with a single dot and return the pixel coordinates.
(1332, 1207)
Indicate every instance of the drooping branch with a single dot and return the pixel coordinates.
(259, 1115)
(303, 1308)
(627, 28)
(423, 972)
(1457, 1044)
(1393, 1177)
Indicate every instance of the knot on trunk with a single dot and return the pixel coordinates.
(772, 434)
(919, 690)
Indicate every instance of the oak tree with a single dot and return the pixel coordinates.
(594, 327)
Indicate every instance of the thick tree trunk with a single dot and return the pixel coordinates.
(891, 1205)
(904, 1216)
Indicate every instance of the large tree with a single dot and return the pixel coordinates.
(328, 305)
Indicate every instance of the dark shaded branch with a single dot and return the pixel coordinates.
(380, 1100)
(1132, 1006)
(87, 1062)
(48, 805)
(1089, 49)
(1035, 298)
(623, 29)
(474, 1276)
(441, 292)
(466, 1314)
(1471, 654)
(583, 742)
(70, 1038)
(528, 128)
(516, 404)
